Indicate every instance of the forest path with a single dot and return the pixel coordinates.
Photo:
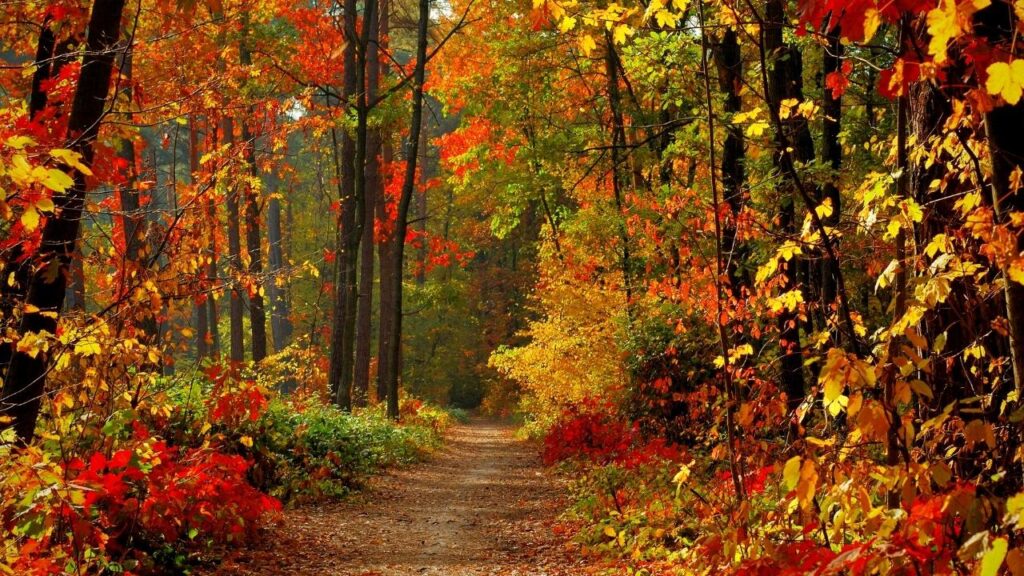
(483, 505)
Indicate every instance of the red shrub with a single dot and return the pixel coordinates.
(593, 433)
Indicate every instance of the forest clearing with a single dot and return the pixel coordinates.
(511, 287)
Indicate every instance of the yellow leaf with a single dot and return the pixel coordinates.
(57, 180)
(665, 18)
(45, 205)
(791, 472)
(30, 219)
(1006, 80)
(587, 44)
(808, 484)
(88, 347)
(19, 142)
(567, 24)
(993, 558)
(71, 158)
(824, 210)
(610, 532)
(872, 20)
(246, 441)
(621, 33)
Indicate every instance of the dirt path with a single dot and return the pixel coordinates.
(483, 506)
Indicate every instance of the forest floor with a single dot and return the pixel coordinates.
(483, 505)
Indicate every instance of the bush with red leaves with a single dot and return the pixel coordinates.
(592, 432)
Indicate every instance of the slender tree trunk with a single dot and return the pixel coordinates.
(832, 154)
(237, 306)
(202, 318)
(364, 318)
(26, 379)
(253, 243)
(785, 81)
(384, 246)
(1004, 123)
(211, 266)
(420, 212)
(13, 292)
(618, 146)
(392, 343)
(343, 321)
(280, 325)
(730, 79)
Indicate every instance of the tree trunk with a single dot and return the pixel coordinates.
(730, 80)
(280, 325)
(391, 344)
(1004, 123)
(202, 318)
(618, 145)
(343, 322)
(832, 154)
(364, 318)
(13, 292)
(237, 336)
(253, 243)
(785, 81)
(26, 380)
(211, 267)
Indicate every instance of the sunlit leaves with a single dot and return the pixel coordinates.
(993, 558)
(1006, 80)
(841, 373)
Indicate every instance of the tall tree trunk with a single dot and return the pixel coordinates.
(997, 23)
(253, 244)
(364, 318)
(133, 217)
(280, 325)
(212, 276)
(202, 318)
(237, 306)
(420, 209)
(343, 320)
(730, 79)
(12, 292)
(392, 341)
(26, 379)
(384, 246)
(618, 145)
(785, 81)
(832, 154)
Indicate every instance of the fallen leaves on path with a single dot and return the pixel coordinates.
(484, 506)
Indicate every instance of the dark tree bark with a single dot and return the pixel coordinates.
(26, 379)
(420, 209)
(384, 247)
(730, 80)
(237, 306)
(364, 317)
(253, 244)
(211, 267)
(280, 325)
(342, 357)
(47, 65)
(387, 282)
(785, 80)
(997, 23)
(391, 345)
(618, 148)
(832, 154)
(343, 319)
(201, 315)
